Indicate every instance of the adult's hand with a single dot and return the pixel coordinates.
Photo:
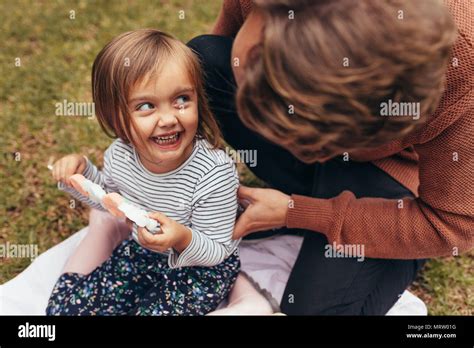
(266, 209)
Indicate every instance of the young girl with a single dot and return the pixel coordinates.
(147, 90)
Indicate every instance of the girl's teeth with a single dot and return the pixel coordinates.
(166, 140)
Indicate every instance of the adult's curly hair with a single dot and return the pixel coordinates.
(316, 82)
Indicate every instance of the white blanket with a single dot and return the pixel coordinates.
(267, 261)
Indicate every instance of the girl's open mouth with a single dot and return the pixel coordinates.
(167, 141)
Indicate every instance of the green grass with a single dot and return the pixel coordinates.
(56, 55)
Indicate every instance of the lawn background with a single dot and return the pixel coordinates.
(56, 55)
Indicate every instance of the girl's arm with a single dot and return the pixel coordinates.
(213, 218)
(102, 178)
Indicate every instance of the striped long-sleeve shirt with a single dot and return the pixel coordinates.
(200, 194)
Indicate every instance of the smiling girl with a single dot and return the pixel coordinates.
(147, 89)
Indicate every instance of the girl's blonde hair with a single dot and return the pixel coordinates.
(129, 59)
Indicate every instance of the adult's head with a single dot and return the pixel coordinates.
(313, 75)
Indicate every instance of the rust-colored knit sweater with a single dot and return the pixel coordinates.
(436, 163)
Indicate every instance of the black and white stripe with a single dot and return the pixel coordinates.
(201, 194)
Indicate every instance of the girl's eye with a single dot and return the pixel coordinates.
(145, 107)
(182, 99)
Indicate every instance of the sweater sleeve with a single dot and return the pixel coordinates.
(213, 219)
(439, 222)
(101, 177)
(229, 20)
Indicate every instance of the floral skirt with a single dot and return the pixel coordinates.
(137, 281)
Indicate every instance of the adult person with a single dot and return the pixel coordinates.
(303, 83)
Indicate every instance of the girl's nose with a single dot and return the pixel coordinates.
(167, 120)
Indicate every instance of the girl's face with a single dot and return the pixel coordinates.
(164, 111)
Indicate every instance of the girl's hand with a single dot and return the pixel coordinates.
(173, 235)
(67, 166)
(266, 209)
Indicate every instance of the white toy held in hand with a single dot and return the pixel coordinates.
(118, 206)
(87, 188)
(114, 203)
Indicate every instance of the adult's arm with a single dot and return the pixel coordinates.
(439, 222)
(231, 17)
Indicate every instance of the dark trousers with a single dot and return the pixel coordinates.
(317, 284)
